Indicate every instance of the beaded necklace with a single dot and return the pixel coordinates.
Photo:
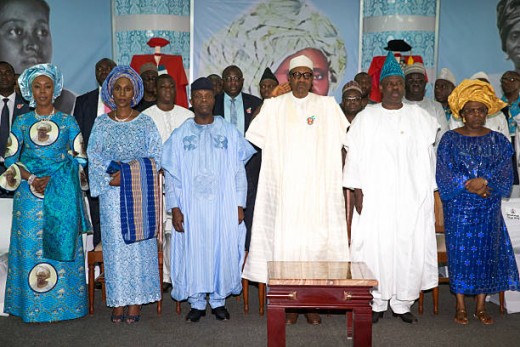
(44, 118)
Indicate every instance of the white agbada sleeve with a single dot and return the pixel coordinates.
(352, 171)
(256, 133)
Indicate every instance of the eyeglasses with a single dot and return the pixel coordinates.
(306, 75)
(149, 79)
(352, 98)
(232, 79)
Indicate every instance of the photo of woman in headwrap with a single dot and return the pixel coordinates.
(270, 35)
(508, 23)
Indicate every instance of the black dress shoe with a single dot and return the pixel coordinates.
(376, 316)
(194, 315)
(407, 317)
(220, 313)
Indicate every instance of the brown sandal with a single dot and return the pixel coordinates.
(461, 317)
(483, 317)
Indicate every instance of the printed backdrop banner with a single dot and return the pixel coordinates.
(74, 37)
(470, 43)
(136, 21)
(258, 34)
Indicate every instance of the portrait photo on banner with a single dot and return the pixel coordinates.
(260, 34)
(40, 31)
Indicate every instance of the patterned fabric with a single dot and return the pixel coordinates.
(40, 289)
(171, 7)
(480, 255)
(131, 271)
(447, 112)
(391, 67)
(374, 8)
(108, 85)
(514, 110)
(27, 77)
(140, 213)
(474, 90)
(267, 34)
(64, 203)
(206, 180)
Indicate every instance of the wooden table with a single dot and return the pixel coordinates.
(324, 285)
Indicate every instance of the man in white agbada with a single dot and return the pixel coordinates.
(415, 89)
(391, 165)
(496, 122)
(167, 116)
(300, 210)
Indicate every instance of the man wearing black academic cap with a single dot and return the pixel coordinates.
(206, 187)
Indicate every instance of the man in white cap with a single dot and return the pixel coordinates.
(444, 85)
(496, 122)
(415, 89)
(300, 210)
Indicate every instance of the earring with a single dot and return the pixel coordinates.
(463, 120)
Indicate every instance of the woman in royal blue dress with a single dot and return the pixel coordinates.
(474, 173)
(131, 270)
(46, 277)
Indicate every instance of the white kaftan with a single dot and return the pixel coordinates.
(168, 121)
(435, 110)
(391, 158)
(300, 210)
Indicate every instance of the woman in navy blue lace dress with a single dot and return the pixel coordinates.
(474, 173)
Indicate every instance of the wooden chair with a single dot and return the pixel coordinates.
(261, 296)
(442, 259)
(95, 257)
(245, 293)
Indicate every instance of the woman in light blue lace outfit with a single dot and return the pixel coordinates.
(131, 270)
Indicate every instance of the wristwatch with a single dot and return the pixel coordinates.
(31, 179)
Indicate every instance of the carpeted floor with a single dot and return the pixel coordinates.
(250, 330)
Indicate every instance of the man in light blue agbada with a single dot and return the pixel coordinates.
(206, 187)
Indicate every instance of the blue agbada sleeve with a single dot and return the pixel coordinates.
(171, 166)
(244, 152)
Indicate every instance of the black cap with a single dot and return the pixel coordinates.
(202, 83)
(268, 75)
(398, 46)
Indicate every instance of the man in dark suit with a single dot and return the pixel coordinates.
(11, 105)
(88, 107)
(238, 108)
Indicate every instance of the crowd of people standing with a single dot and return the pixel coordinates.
(293, 176)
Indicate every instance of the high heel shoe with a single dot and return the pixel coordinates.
(131, 319)
(117, 318)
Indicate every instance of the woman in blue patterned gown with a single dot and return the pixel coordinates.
(46, 276)
(474, 173)
(131, 270)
